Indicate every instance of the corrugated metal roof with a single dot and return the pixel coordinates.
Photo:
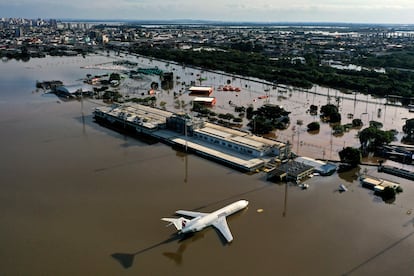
(214, 132)
(200, 88)
(204, 99)
(248, 142)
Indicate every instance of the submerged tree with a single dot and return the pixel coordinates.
(357, 123)
(267, 118)
(388, 194)
(375, 124)
(313, 126)
(371, 138)
(313, 110)
(335, 117)
(351, 156)
(329, 109)
(408, 130)
(114, 76)
(330, 112)
(249, 112)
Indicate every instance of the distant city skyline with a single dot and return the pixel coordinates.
(346, 11)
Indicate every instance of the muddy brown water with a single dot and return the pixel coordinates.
(79, 199)
(322, 145)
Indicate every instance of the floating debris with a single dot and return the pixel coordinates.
(342, 188)
(260, 210)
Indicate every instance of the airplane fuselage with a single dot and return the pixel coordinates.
(201, 220)
(200, 223)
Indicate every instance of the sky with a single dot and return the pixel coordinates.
(347, 11)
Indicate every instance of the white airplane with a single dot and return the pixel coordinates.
(203, 220)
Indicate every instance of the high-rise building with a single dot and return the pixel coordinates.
(19, 32)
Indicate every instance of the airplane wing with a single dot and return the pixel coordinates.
(221, 225)
(190, 213)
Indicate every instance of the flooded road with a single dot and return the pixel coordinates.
(79, 199)
(321, 145)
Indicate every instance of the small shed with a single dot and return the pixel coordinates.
(291, 170)
(323, 168)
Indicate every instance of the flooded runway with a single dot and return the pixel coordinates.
(79, 199)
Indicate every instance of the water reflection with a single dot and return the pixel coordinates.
(127, 259)
(350, 176)
(284, 214)
(177, 256)
(183, 241)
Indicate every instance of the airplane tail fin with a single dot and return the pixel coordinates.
(179, 223)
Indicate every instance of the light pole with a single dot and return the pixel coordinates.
(366, 113)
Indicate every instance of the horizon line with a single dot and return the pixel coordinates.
(217, 21)
(229, 22)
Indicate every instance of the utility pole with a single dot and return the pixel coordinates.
(286, 183)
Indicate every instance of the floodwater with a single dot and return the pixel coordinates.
(321, 145)
(79, 199)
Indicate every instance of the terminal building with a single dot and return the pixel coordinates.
(134, 117)
(239, 149)
(234, 147)
(239, 141)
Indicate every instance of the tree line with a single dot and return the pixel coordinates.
(284, 71)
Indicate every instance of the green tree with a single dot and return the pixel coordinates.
(249, 112)
(357, 123)
(313, 109)
(268, 117)
(371, 138)
(227, 116)
(283, 71)
(330, 112)
(313, 126)
(388, 194)
(375, 124)
(259, 125)
(408, 129)
(338, 129)
(328, 109)
(335, 117)
(351, 156)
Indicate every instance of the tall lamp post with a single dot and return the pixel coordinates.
(366, 113)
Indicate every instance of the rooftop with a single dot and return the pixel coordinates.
(201, 88)
(131, 112)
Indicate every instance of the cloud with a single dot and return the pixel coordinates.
(231, 10)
